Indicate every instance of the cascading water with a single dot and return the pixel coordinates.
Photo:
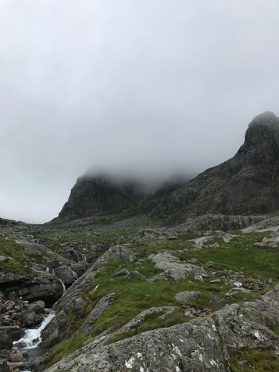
(32, 337)
(63, 285)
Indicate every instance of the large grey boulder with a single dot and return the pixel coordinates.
(173, 267)
(66, 274)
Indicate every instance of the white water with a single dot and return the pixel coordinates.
(32, 337)
(63, 285)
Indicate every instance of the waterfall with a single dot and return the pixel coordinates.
(32, 337)
(63, 285)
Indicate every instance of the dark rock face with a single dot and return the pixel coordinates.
(100, 196)
(44, 287)
(246, 184)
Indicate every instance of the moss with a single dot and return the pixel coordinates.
(274, 326)
(151, 322)
(65, 348)
(254, 360)
(19, 262)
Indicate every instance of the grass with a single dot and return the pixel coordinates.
(83, 240)
(19, 261)
(65, 348)
(136, 294)
(239, 255)
(254, 360)
(133, 295)
(151, 322)
(273, 326)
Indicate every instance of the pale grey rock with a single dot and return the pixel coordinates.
(66, 274)
(270, 241)
(173, 267)
(199, 242)
(187, 296)
(211, 222)
(98, 310)
(268, 224)
(203, 344)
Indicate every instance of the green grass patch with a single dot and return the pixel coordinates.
(254, 360)
(19, 261)
(134, 295)
(152, 322)
(239, 255)
(65, 348)
(83, 240)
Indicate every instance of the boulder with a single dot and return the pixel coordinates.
(16, 356)
(66, 274)
(185, 297)
(173, 267)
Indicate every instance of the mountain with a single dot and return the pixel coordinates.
(245, 184)
(101, 195)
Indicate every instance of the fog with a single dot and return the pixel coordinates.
(148, 88)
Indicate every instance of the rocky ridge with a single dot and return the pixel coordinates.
(243, 185)
(246, 184)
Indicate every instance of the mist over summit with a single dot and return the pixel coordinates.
(150, 87)
(245, 184)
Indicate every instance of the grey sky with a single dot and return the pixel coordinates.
(143, 86)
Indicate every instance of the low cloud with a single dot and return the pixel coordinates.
(144, 88)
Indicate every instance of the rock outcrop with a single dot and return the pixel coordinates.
(204, 344)
(101, 195)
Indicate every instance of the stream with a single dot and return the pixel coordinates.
(32, 338)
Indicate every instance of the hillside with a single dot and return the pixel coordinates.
(246, 184)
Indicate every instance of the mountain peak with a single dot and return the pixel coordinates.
(266, 119)
(262, 135)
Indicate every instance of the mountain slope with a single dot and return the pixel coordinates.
(247, 183)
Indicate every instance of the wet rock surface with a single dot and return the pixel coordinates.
(21, 313)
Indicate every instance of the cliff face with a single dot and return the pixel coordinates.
(247, 183)
(100, 195)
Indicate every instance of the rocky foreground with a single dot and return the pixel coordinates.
(235, 336)
(201, 296)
